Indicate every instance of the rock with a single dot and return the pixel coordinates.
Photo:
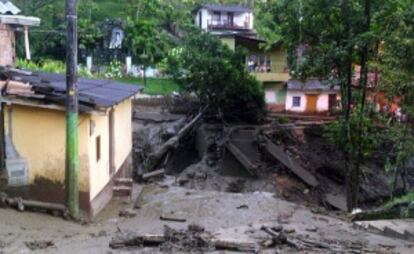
(243, 207)
(289, 230)
(127, 213)
(182, 180)
(278, 228)
(39, 245)
(200, 175)
(312, 229)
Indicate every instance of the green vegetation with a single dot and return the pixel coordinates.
(155, 86)
(218, 77)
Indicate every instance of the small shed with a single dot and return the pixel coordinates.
(314, 96)
(34, 124)
(10, 24)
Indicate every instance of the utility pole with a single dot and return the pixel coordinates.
(72, 160)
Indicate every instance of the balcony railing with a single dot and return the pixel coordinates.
(226, 24)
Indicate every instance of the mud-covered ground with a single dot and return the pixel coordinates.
(232, 216)
(225, 201)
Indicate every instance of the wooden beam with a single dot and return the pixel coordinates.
(26, 43)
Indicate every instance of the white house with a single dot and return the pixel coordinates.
(312, 97)
(217, 18)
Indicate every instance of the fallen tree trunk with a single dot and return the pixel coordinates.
(155, 158)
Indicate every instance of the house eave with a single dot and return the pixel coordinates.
(19, 20)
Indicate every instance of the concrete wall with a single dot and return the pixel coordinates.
(205, 16)
(322, 104)
(7, 42)
(39, 137)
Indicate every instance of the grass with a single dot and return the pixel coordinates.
(403, 199)
(155, 86)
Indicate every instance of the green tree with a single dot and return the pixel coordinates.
(148, 44)
(217, 75)
(325, 39)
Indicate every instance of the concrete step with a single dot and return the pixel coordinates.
(122, 191)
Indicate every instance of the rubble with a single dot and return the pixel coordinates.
(39, 245)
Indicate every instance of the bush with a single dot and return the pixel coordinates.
(114, 70)
(218, 76)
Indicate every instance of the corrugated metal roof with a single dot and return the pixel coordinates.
(93, 94)
(227, 8)
(7, 7)
(311, 85)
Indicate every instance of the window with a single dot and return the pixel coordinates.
(296, 101)
(98, 148)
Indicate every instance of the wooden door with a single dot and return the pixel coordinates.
(311, 101)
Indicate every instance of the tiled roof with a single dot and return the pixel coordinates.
(7, 7)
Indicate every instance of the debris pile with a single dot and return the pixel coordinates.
(194, 239)
(291, 159)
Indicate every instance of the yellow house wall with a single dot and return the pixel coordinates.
(39, 137)
(230, 42)
(99, 170)
(123, 132)
(279, 60)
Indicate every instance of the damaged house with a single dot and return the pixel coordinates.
(34, 131)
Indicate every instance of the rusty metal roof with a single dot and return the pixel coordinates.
(7, 7)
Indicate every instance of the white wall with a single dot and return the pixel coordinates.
(322, 104)
(289, 101)
(239, 18)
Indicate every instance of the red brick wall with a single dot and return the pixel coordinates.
(7, 45)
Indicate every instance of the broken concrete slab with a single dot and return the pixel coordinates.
(399, 228)
(338, 201)
(279, 154)
(250, 166)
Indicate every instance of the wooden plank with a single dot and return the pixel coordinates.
(279, 154)
(156, 173)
